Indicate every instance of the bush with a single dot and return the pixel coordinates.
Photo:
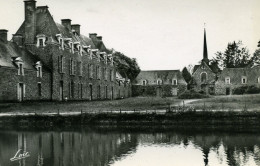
(240, 90)
(190, 94)
(246, 90)
(252, 90)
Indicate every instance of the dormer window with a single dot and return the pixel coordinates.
(244, 80)
(72, 47)
(20, 69)
(41, 39)
(227, 80)
(144, 82)
(40, 42)
(39, 69)
(98, 56)
(80, 50)
(19, 62)
(105, 57)
(159, 82)
(76, 46)
(61, 43)
(174, 82)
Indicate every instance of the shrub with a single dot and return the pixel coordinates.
(240, 90)
(252, 90)
(246, 90)
(190, 94)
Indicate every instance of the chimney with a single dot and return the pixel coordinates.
(30, 21)
(18, 39)
(99, 38)
(76, 27)
(93, 35)
(3, 35)
(66, 23)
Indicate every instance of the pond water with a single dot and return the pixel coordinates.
(100, 147)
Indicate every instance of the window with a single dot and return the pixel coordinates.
(41, 42)
(20, 69)
(227, 80)
(203, 77)
(80, 90)
(159, 82)
(144, 82)
(174, 82)
(71, 88)
(258, 80)
(244, 80)
(105, 73)
(98, 92)
(61, 43)
(111, 75)
(90, 71)
(39, 89)
(80, 68)
(61, 64)
(97, 72)
(39, 71)
(72, 67)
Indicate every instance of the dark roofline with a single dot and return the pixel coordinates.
(43, 7)
(158, 70)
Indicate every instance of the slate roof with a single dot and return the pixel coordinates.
(166, 75)
(212, 67)
(46, 25)
(236, 74)
(9, 51)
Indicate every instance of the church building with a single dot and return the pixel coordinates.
(204, 75)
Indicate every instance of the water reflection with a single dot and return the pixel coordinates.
(99, 148)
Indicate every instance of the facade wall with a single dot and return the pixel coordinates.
(252, 76)
(153, 90)
(101, 88)
(9, 85)
(210, 79)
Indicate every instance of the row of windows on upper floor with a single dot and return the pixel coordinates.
(243, 80)
(76, 47)
(92, 70)
(160, 82)
(107, 73)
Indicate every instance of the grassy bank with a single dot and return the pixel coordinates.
(216, 103)
(208, 119)
(138, 103)
(229, 103)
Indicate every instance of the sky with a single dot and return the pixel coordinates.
(160, 34)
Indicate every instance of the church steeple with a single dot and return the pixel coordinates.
(205, 49)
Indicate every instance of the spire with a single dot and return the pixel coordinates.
(205, 49)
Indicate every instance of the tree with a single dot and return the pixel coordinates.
(235, 56)
(126, 66)
(186, 74)
(257, 55)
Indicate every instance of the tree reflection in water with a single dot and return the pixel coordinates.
(99, 148)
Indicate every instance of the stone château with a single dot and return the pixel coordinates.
(46, 60)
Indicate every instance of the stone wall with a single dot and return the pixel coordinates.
(109, 89)
(151, 90)
(10, 79)
(211, 77)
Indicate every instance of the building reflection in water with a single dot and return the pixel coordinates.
(108, 148)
